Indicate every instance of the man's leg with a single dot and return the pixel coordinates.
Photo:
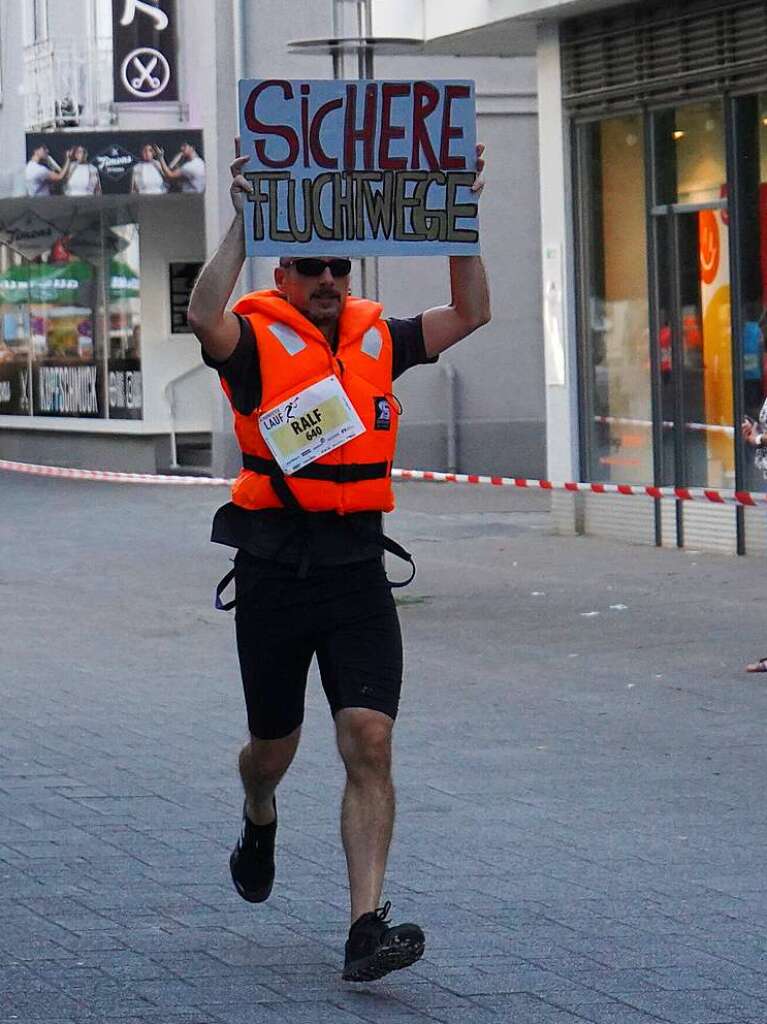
(274, 656)
(374, 947)
(360, 662)
(367, 813)
(262, 765)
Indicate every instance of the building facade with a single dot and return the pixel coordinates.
(653, 170)
(114, 190)
(102, 214)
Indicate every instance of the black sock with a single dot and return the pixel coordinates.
(260, 833)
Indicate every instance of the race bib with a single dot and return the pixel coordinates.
(310, 424)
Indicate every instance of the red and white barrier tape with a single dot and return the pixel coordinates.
(109, 477)
(679, 493)
(624, 421)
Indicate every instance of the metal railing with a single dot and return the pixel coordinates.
(68, 83)
(172, 401)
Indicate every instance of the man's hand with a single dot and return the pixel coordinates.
(479, 181)
(240, 188)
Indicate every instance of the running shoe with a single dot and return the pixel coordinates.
(373, 948)
(252, 859)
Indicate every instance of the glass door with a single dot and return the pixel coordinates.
(695, 347)
(691, 298)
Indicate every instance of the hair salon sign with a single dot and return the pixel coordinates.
(359, 168)
(144, 33)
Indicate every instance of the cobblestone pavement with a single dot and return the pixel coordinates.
(580, 768)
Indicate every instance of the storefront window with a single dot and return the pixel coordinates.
(751, 132)
(693, 332)
(124, 320)
(70, 321)
(690, 154)
(66, 378)
(15, 334)
(614, 308)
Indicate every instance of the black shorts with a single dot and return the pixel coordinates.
(343, 614)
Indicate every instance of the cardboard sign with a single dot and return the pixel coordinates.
(359, 168)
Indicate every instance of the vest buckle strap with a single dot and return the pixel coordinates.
(393, 547)
(350, 473)
(221, 605)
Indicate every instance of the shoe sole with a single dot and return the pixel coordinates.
(384, 961)
(250, 895)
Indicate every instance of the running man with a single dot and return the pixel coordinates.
(309, 574)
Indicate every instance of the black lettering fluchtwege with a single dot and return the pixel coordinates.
(407, 206)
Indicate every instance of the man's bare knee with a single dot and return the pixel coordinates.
(364, 742)
(267, 760)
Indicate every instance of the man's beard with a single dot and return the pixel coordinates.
(320, 319)
(329, 316)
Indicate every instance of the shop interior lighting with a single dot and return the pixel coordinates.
(678, 134)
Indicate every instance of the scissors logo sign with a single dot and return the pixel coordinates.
(145, 72)
(144, 50)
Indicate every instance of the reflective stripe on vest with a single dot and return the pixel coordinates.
(372, 343)
(290, 340)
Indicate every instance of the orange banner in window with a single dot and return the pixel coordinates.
(717, 340)
(710, 246)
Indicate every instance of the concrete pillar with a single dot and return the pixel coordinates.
(558, 266)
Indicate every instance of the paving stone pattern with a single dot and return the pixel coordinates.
(581, 826)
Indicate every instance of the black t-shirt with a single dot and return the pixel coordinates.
(283, 535)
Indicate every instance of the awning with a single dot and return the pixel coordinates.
(499, 28)
(65, 283)
(46, 283)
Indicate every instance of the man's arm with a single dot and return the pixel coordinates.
(217, 328)
(169, 171)
(469, 305)
(56, 173)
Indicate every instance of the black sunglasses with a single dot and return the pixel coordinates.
(308, 266)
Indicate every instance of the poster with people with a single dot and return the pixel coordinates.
(113, 163)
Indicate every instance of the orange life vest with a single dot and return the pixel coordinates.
(294, 354)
